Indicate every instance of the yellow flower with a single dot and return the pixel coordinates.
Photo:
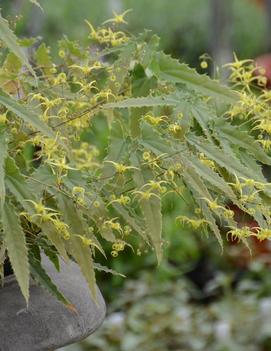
(118, 19)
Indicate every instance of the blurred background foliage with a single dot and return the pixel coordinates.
(199, 298)
(183, 25)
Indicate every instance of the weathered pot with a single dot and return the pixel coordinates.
(47, 324)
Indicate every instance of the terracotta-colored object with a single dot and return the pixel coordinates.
(264, 62)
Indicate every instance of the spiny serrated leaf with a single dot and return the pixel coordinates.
(3, 155)
(153, 141)
(121, 66)
(10, 40)
(26, 114)
(41, 277)
(80, 252)
(200, 192)
(149, 101)
(52, 234)
(105, 269)
(151, 209)
(22, 192)
(116, 149)
(15, 242)
(129, 219)
(171, 70)
(207, 174)
(227, 161)
(16, 184)
(242, 139)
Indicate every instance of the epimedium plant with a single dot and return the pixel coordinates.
(170, 130)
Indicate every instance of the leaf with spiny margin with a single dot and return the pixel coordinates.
(55, 238)
(151, 209)
(129, 219)
(117, 148)
(148, 101)
(3, 155)
(243, 140)
(227, 161)
(121, 67)
(41, 277)
(10, 40)
(203, 116)
(17, 185)
(15, 242)
(80, 252)
(105, 269)
(26, 114)
(200, 192)
(167, 68)
(152, 140)
(207, 174)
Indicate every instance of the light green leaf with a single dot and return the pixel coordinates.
(15, 242)
(151, 209)
(228, 161)
(10, 40)
(200, 192)
(243, 140)
(207, 174)
(100, 268)
(80, 252)
(150, 101)
(16, 184)
(3, 155)
(171, 70)
(121, 67)
(50, 231)
(26, 114)
(41, 277)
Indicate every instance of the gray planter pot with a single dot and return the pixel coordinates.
(47, 324)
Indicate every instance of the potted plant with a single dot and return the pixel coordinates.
(63, 197)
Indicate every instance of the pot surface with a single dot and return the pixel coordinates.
(47, 324)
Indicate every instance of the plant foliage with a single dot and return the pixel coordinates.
(169, 131)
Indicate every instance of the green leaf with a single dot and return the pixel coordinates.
(17, 185)
(15, 242)
(10, 40)
(26, 114)
(3, 155)
(207, 174)
(80, 252)
(41, 277)
(171, 70)
(242, 139)
(150, 101)
(227, 161)
(105, 269)
(129, 219)
(22, 192)
(50, 231)
(153, 141)
(200, 192)
(116, 150)
(121, 67)
(151, 209)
